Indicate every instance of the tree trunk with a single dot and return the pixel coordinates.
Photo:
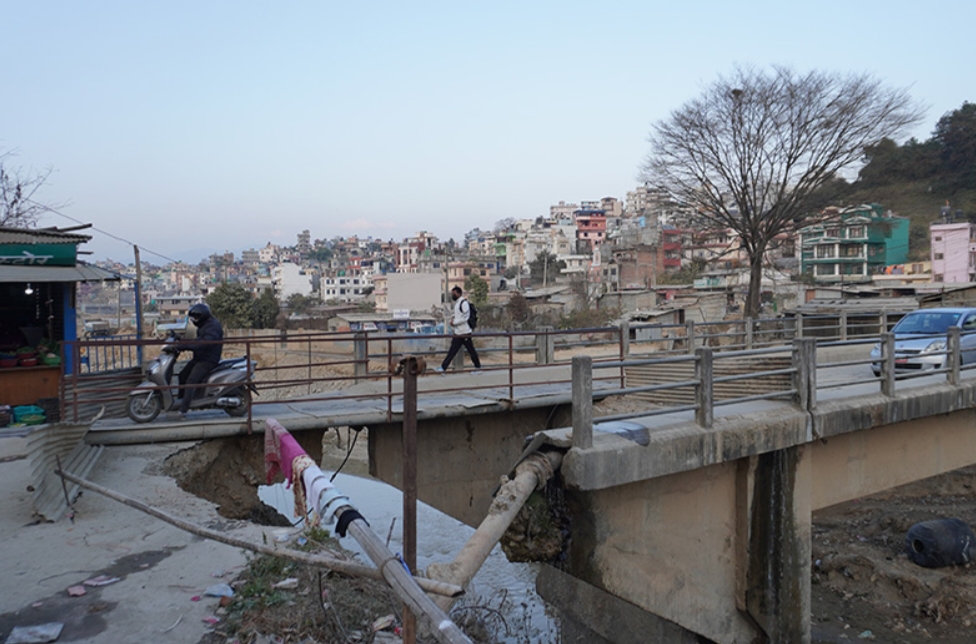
(755, 286)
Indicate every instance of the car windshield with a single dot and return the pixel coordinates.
(926, 322)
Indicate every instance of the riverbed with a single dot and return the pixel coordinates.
(501, 586)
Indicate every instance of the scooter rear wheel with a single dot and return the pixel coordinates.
(240, 410)
(143, 408)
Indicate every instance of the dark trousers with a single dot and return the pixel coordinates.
(456, 343)
(193, 373)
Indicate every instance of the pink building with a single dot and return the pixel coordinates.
(953, 252)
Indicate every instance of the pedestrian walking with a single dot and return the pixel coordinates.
(461, 330)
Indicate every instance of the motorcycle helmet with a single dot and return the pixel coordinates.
(199, 313)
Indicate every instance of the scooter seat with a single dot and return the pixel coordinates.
(230, 363)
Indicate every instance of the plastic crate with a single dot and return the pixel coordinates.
(51, 407)
(26, 410)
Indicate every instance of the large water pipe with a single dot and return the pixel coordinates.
(531, 474)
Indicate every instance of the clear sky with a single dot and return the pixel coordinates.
(204, 126)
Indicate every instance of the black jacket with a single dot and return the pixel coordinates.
(209, 331)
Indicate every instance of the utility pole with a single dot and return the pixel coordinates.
(138, 290)
(447, 289)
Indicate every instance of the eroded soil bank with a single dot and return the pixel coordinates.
(228, 472)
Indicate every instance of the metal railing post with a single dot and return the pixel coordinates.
(409, 480)
(249, 383)
(511, 368)
(544, 346)
(704, 389)
(953, 359)
(843, 326)
(582, 402)
(884, 322)
(798, 326)
(690, 334)
(888, 364)
(624, 350)
(360, 345)
(805, 374)
(749, 331)
(624, 339)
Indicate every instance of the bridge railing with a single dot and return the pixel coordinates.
(339, 365)
(796, 382)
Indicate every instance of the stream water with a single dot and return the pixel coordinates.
(500, 587)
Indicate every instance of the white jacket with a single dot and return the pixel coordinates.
(460, 320)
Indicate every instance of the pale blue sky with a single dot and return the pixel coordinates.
(194, 127)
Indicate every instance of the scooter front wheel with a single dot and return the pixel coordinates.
(142, 408)
(240, 410)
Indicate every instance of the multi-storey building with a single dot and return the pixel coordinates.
(953, 252)
(413, 250)
(635, 266)
(349, 287)
(176, 306)
(408, 291)
(289, 278)
(304, 245)
(852, 244)
(269, 254)
(717, 248)
(250, 257)
(672, 248)
(563, 211)
(591, 228)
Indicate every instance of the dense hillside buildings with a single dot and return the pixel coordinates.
(649, 243)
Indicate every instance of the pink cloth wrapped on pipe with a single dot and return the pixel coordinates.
(280, 451)
(283, 453)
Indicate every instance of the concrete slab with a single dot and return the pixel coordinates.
(160, 567)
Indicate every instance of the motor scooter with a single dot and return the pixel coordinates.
(228, 387)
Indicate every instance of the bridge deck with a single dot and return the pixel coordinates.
(452, 394)
(465, 393)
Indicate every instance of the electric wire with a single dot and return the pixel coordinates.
(104, 232)
(352, 444)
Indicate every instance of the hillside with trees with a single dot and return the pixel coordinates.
(917, 179)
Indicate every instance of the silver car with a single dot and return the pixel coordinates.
(921, 339)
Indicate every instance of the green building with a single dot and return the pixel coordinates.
(852, 244)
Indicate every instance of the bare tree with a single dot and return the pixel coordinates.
(750, 151)
(17, 206)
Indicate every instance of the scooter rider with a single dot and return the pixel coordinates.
(206, 350)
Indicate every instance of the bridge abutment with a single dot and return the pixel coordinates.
(720, 553)
(777, 594)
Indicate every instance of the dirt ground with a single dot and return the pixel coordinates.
(864, 585)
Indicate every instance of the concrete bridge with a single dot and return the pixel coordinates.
(687, 522)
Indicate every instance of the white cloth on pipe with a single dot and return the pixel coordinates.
(324, 497)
